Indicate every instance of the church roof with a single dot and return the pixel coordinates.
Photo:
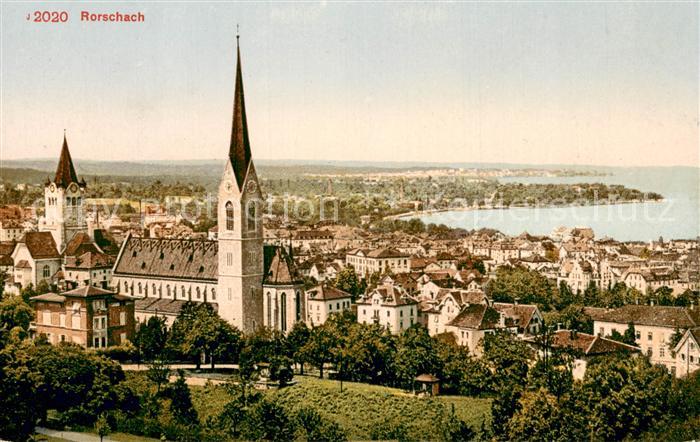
(239, 150)
(65, 172)
(168, 258)
(41, 245)
(281, 269)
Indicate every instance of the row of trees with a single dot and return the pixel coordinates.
(531, 287)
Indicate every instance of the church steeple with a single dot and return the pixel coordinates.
(239, 151)
(65, 172)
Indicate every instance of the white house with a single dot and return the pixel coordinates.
(323, 301)
(381, 260)
(388, 305)
(653, 325)
(688, 352)
(35, 259)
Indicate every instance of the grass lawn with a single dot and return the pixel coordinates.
(361, 407)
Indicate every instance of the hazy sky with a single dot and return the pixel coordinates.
(593, 83)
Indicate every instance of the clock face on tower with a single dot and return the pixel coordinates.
(73, 187)
(251, 186)
(52, 188)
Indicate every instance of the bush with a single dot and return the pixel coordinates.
(122, 353)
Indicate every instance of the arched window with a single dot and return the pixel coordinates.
(269, 310)
(252, 213)
(229, 215)
(126, 287)
(199, 293)
(297, 300)
(167, 289)
(140, 288)
(213, 294)
(182, 291)
(283, 301)
(46, 271)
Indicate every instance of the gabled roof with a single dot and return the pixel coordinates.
(327, 293)
(654, 315)
(391, 295)
(87, 291)
(239, 150)
(521, 314)
(477, 317)
(49, 297)
(164, 306)
(168, 258)
(691, 333)
(89, 260)
(41, 245)
(65, 172)
(588, 345)
(79, 244)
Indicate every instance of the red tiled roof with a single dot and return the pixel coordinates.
(41, 245)
(654, 315)
(327, 293)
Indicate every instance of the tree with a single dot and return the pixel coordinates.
(415, 355)
(566, 296)
(369, 353)
(625, 396)
(77, 383)
(529, 286)
(508, 359)
(15, 312)
(198, 329)
(348, 281)
(102, 426)
(319, 349)
(537, 418)
(297, 338)
(151, 338)
(630, 336)
(267, 420)
(181, 400)
(19, 397)
(158, 373)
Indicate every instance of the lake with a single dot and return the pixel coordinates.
(677, 216)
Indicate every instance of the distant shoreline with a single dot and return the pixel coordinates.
(418, 213)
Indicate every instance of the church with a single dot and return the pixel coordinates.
(248, 283)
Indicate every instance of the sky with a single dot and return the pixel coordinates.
(595, 83)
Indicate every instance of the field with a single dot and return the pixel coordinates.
(360, 407)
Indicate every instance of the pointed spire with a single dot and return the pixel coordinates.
(65, 172)
(239, 151)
